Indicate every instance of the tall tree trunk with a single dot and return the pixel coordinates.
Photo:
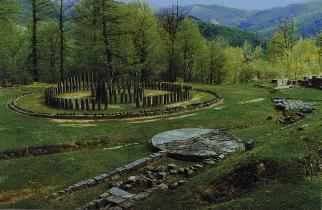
(34, 54)
(62, 49)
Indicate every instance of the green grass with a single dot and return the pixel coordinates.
(28, 180)
(41, 175)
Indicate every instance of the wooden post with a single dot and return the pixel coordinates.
(93, 104)
(87, 104)
(82, 104)
(77, 104)
(144, 102)
(137, 102)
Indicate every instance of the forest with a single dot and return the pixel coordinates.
(46, 41)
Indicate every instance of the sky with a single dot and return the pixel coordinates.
(240, 4)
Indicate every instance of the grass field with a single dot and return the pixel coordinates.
(291, 154)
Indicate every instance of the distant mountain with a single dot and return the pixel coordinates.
(240, 4)
(308, 17)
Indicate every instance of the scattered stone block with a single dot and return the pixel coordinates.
(209, 162)
(104, 195)
(173, 172)
(181, 171)
(198, 166)
(132, 179)
(161, 175)
(163, 186)
(188, 172)
(222, 156)
(126, 204)
(120, 193)
(151, 168)
(181, 182)
(128, 186)
(115, 208)
(140, 196)
(115, 199)
(102, 202)
(173, 185)
(171, 166)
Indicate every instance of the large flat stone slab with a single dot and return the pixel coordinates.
(197, 143)
(120, 193)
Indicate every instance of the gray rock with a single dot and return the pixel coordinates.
(132, 179)
(161, 168)
(173, 172)
(196, 143)
(222, 156)
(104, 195)
(161, 175)
(115, 208)
(101, 202)
(115, 199)
(90, 182)
(91, 205)
(181, 182)
(101, 177)
(61, 192)
(140, 196)
(198, 166)
(117, 184)
(209, 162)
(106, 207)
(151, 168)
(126, 204)
(173, 185)
(120, 193)
(181, 171)
(128, 186)
(163, 186)
(188, 172)
(171, 166)
(151, 176)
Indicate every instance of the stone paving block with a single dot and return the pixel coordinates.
(115, 199)
(120, 193)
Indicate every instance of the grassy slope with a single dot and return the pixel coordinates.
(291, 189)
(29, 180)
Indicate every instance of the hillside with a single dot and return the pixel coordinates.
(308, 17)
(231, 36)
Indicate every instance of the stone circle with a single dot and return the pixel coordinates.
(195, 143)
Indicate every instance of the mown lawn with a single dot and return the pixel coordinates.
(243, 112)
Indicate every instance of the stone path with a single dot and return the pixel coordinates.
(109, 174)
(194, 143)
(124, 193)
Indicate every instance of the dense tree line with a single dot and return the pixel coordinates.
(58, 39)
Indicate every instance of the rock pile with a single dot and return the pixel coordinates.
(151, 178)
(292, 104)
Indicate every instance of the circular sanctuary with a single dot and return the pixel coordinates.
(93, 96)
(198, 144)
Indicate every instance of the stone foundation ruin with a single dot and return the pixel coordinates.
(105, 92)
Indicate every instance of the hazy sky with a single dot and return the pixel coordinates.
(241, 4)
